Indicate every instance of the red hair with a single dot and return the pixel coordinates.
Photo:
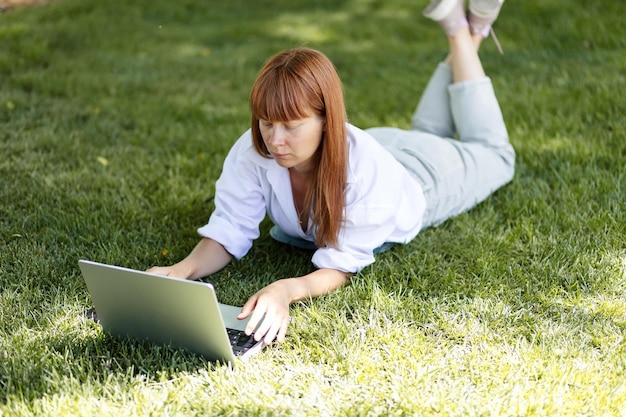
(296, 84)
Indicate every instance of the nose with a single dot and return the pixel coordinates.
(277, 136)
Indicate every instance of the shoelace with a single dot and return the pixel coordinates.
(495, 40)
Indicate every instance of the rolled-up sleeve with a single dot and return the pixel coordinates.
(239, 201)
(357, 241)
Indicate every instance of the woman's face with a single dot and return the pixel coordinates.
(292, 144)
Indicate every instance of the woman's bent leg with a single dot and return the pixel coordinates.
(433, 114)
(456, 174)
(477, 113)
(488, 157)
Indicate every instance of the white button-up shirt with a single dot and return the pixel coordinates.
(384, 203)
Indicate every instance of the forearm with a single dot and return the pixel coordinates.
(315, 284)
(205, 259)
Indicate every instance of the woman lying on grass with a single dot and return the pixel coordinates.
(343, 191)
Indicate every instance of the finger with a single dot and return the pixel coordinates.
(247, 308)
(273, 330)
(283, 330)
(257, 317)
(243, 314)
(165, 271)
(265, 325)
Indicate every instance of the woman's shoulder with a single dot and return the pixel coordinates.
(363, 147)
(373, 173)
(243, 150)
(357, 133)
(243, 143)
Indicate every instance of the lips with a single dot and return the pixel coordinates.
(279, 155)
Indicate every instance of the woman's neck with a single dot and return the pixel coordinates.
(299, 188)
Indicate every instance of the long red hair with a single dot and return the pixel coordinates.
(292, 85)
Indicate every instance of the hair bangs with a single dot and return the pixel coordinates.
(283, 96)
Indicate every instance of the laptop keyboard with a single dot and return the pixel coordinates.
(240, 342)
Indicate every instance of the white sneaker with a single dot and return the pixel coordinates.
(482, 14)
(450, 14)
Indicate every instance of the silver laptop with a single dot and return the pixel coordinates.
(166, 310)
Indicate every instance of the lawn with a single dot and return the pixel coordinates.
(115, 117)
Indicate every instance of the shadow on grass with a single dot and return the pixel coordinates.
(34, 368)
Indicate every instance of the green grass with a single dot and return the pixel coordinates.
(115, 118)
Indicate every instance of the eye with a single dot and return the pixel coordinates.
(293, 125)
(265, 123)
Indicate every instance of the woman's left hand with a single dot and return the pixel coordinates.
(270, 308)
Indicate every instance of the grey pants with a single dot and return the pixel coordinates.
(458, 147)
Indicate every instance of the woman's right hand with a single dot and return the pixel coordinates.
(173, 271)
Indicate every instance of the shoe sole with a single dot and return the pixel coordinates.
(441, 10)
(485, 8)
